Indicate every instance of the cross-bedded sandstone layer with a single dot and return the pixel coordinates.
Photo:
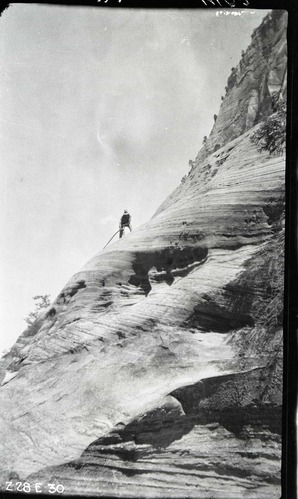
(157, 371)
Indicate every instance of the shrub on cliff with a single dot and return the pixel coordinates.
(271, 136)
(41, 301)
(273, 312)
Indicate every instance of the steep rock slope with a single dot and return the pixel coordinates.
(156, 372)
(261, 71)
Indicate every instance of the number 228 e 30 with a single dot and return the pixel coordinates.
(37, 488)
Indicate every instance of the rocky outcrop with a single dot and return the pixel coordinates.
(157, 371)
(261, 71)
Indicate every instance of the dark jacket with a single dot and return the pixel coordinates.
(125, 219)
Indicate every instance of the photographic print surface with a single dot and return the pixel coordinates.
(156, 368)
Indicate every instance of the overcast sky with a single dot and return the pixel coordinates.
(101, 110)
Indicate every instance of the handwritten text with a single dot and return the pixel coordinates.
(226, 3)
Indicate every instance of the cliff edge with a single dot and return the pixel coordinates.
(157, 371)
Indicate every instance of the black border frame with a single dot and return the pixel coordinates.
(290, 399)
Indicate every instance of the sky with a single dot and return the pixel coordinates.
(101, 111)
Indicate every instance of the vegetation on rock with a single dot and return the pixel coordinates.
(41, 302)
(271, 135)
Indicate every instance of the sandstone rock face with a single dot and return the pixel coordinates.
(157, 371)
(261, 71)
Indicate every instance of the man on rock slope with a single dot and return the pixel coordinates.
(124, 222)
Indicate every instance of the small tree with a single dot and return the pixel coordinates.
(41, 301)
(271, 136)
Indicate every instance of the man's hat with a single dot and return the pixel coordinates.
(125, 211)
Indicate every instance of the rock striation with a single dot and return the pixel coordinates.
(157, 371)
(261, 71)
